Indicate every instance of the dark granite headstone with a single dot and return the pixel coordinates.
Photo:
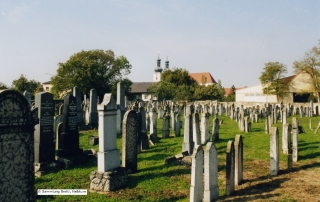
(17, 123)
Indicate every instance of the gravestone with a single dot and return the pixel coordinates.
(109, 176)
(196, 129)
(129, 141)
(238, 146)
(295, 133)
(28, 96)
(274, 151)
(144, 136)
(44, 149)
(93, 114)
(177, 125)
(70, 134)
(196, 174)
(17, 123)
(215, 129)
(56, 120)
(205, 137)
(211, 188)
(188, 143)
(165, 125)
(286, 138)
(153, 137)
(230, 165)
(121, 107)
(58, 135)
(77, 95)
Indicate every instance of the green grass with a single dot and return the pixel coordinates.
(156, 181)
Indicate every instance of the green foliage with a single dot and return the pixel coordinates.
(178, 76)
(22, 84)
(210, 92)
(3, 86)
(310, 64)
(127, 89)
(272, 79)
(96, 69)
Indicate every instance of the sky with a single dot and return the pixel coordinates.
(231, 39)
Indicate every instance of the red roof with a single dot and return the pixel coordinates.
(208, 79)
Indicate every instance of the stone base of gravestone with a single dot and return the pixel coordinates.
(93, 140)
(179, 159)
(66, 163)
(102, 182)
(41, 169)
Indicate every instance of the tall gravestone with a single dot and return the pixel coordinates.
(230, 165)
(144, 136)
(44, 150)
(70, 133)
(188, 143)
(295, 133)
(205, 137)
(77, 95)
(196, 128)
(274, 151)
(211, 188)
(121, 106)
(238, 146)
(166, 125)
(215, 129)
(177, 125)
(17, 123)
(196, 174)
(129, 141)
(109, 175)
(93, 114)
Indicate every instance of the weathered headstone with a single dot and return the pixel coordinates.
(153, 137)
(165, 125)
(77, 95)
(238, 146)
(44, 150)
(274, 151)
(230, 165)
(28, 96)
(215, 129)
(205, 137)
(144, 136)
(177, 125)
(129, 141)
(121, 107)
(70, 132)
(17, 123)
(109, 175)
(211, 188)
(93, 114)
(196, 129)
(196, 174)
(295, 133)
(188, 143)
(286, 138)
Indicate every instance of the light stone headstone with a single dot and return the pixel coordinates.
(205, 137)
(17, 123)
(121, 106)
(274, 151)
(196, 174)
(295, 133)
(188, 143)
(238, 146)
(230, 166)
(77, 95)
(196, 129)
(28, 96)
(177, 125)
(211, 188)
(215, 129)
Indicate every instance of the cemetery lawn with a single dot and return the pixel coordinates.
(156, 181)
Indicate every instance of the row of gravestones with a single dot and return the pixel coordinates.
(204, 170)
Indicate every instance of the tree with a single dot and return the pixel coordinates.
(96, 69)
(210, 92)
(22, 84)
(127, 89)
(310, 64)
(272, 80)
(175, 84)
(3, 86)
(231, 97)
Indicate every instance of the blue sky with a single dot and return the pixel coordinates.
(230, 39)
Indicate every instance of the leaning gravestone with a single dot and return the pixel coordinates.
(43, 135)
(17, 123)
(129, 141)
(70, 134)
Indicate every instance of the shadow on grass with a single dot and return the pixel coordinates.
(309, 156)
(253, 192)
(257, 130)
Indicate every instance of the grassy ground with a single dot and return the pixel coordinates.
(156, 181)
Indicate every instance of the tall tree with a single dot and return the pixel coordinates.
(22, 84)
(96, 69)
(272, 80)
(310, 64)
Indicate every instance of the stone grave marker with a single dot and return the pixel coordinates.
(196, 174)
(93, 114)
(274, 151)
(188, 143)
(17, 123)
(129, 141)
(196, 128)
(205, 137)
(211, 188)
(230, 166)
(77, 95)
(238, 146)
(295, 133)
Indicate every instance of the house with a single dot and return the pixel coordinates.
(203, 78)
(300, 89)
(47, 86)
(139, 90)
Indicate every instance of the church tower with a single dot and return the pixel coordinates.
(157, 71)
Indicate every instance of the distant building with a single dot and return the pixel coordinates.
(139, 90)
(203, 78)
(47, 86)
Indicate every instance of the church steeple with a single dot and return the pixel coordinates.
(167, 63)
(158, 71)
(158, 68)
